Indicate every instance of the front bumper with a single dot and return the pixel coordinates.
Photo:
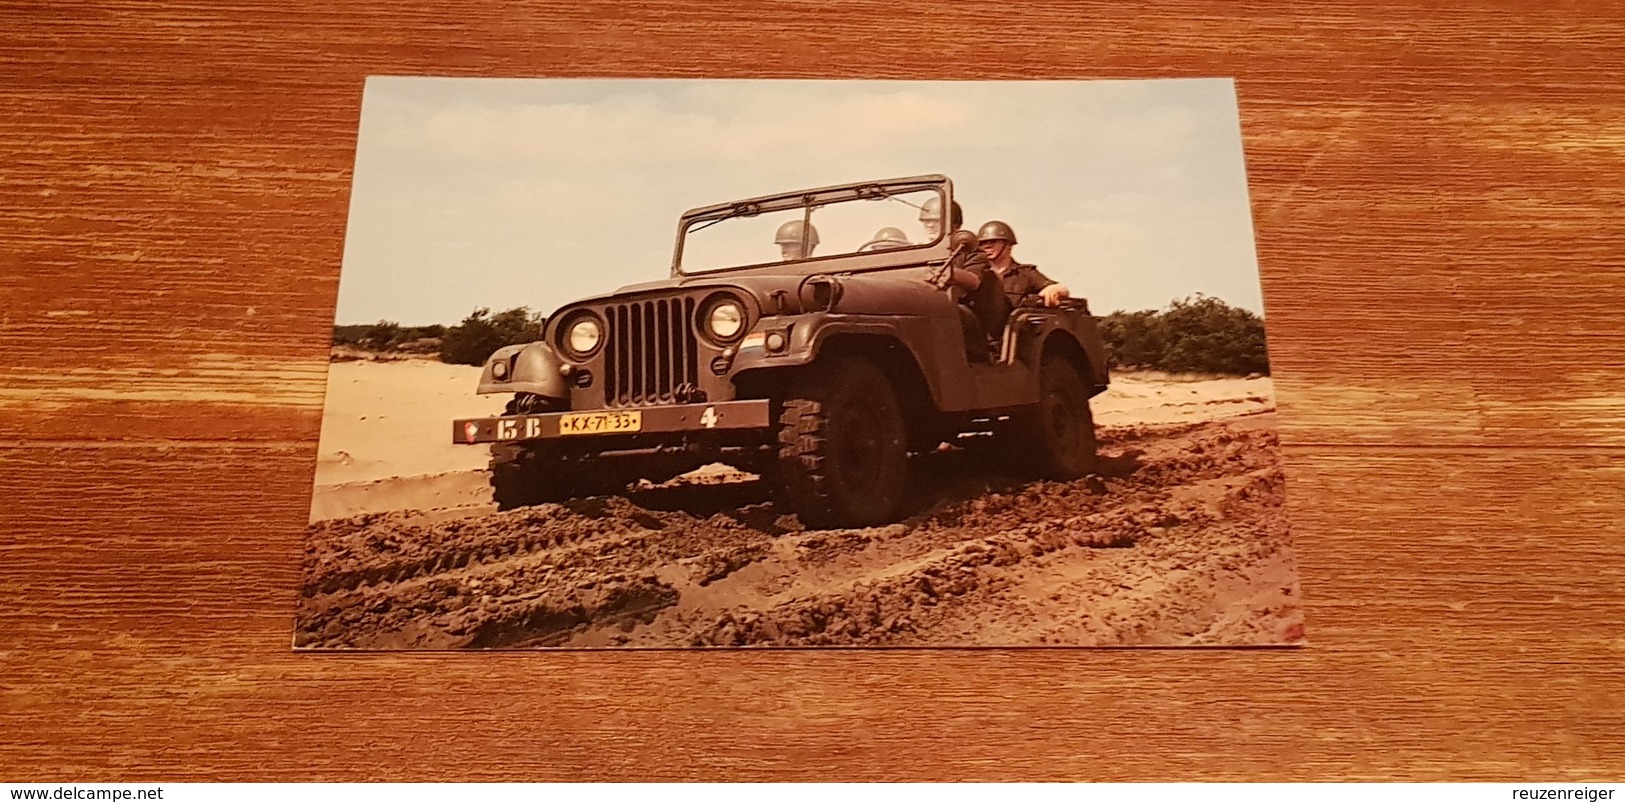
(669, 418)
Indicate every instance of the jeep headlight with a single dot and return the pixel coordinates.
(582, 336)
(726, 320)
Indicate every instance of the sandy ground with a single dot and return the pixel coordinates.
(386, 429)
(1180, 541)
(389, 419)
(386, 438)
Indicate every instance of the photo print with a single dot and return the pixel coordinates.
(696, 363)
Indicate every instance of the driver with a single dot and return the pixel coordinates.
(888, 238)
(1020, 281)
(977, 287)
(788, 238)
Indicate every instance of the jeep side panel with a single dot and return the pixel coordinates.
(934, 344)
(810, 336)
(1031, 330)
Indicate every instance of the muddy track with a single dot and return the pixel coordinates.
(1181, 540)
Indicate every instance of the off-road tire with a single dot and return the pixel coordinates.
(843, 453)
(1057, 435)
(527, 475)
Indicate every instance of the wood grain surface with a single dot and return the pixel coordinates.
(1437, 190)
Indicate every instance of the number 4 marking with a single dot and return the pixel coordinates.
(708, 418)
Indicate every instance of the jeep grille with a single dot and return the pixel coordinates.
(651, 351)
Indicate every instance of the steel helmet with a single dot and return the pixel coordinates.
(790, 234)
(891, 234)
(997, 229)
(931, 209)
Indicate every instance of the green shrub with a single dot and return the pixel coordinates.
(480, 334)
(349, 334)
(1133, 339)
(381, 336)
(1199, 334)
(385, 336)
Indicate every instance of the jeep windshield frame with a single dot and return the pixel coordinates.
(810, 200)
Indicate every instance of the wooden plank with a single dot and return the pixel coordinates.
(1436, 196)
(1464, 621)
(1443, 273)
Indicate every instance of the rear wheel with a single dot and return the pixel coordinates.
(1058, 433)
(843, 452)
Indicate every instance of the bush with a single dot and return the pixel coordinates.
(482, 333)
(385, 336)
(381, 336)
(1199, 334)
(1133, 339)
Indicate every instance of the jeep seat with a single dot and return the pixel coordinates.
(1019, 317)
(1012, 329)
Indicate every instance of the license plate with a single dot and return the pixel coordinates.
(601, 422)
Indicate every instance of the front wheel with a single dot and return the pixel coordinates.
(526, 475)
(843, 450)
(1059, 431)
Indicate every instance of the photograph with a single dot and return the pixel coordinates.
(671, 363)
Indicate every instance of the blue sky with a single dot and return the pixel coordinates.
(534, 192)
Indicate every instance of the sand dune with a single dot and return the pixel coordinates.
(1180, 541)
(386, 429)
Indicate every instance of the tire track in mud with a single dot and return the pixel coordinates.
(977, 588)
(413, 580)
(1180, 540)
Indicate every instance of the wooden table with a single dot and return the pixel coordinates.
(1437, 190)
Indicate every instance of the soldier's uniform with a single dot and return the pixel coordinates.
(1022, 284)
(983, 310)
(988, 302)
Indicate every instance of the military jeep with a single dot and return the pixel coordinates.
(803, 337)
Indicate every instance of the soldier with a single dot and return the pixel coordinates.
(788, 238)
(888, 238)
(1020, 281)
(978, 286)
(931, 217)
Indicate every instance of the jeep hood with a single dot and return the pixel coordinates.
(870, 291)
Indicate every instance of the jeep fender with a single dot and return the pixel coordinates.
(531, 368)
(1086, 329)
(1091, 365)
(810, 336)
